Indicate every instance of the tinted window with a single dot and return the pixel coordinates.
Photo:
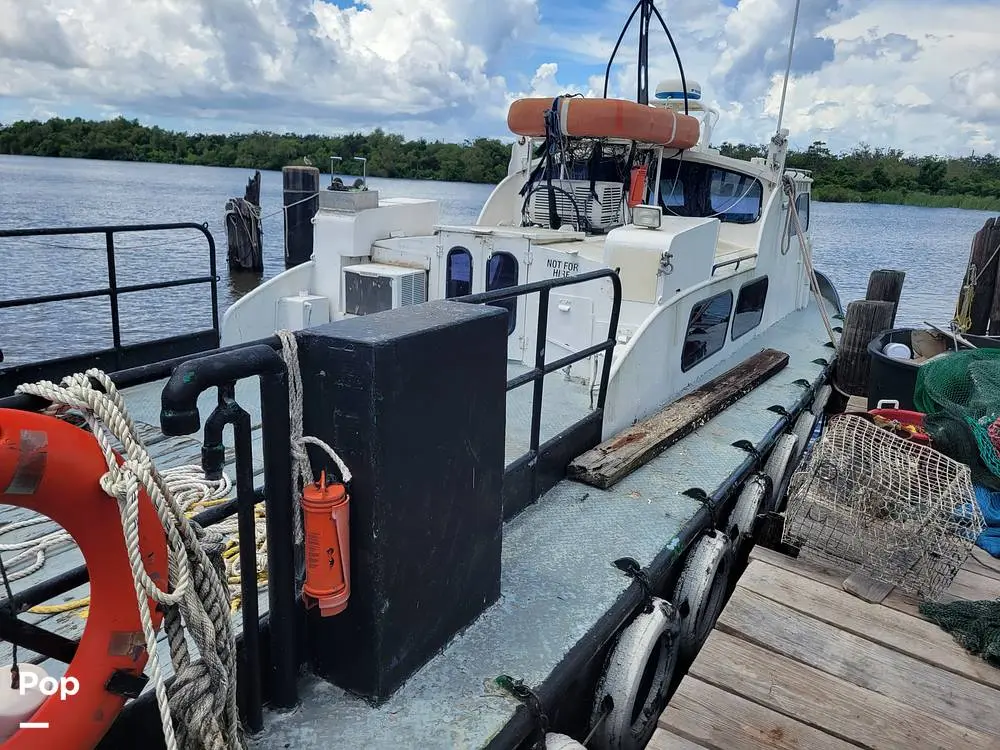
(459, 273)
(706, 331)
(693, 189)
(735, 197)
(749, 307)
(501, 272)
(802, 207)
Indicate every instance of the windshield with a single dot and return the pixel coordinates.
(702, 190)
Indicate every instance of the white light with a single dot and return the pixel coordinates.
(647, 216)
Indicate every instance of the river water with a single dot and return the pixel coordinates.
(930, 244)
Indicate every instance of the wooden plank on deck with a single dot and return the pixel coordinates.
(615, 458)
(905, 633)
(858, 660)
(664, 740)
(718, 719)
(826, 702)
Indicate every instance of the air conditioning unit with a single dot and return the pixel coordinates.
(577, 204)
(374, 287)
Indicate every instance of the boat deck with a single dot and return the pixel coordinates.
(797, 662)
(557, 579)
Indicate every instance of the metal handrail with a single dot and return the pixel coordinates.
(113, 291)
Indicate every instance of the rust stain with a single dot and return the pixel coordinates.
(626, 439)
(777, 734)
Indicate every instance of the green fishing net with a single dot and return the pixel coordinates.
(960, 394)
(975, 625)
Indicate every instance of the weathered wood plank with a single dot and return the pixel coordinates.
(817, 570)
(664, 740)
(864, 321)
(886, 285)
(719, 719)
(614, 459)
(867, 588)
(974, 587)
(905, 633)
(982, 562)
(860, 661)
(837, 707)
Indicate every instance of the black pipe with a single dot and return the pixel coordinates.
(213, 455)
(179, 416)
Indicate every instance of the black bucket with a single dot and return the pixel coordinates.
(890, 378)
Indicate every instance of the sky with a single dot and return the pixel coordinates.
(919, 75)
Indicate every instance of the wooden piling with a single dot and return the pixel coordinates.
(301, 200)
(244, 237)
(983, 271)
(865, 320)
(886, 285)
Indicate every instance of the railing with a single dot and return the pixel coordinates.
(120, 356)
(521, 478)
(733, 262)
(189, 378)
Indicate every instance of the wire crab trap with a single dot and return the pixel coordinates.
(896, 510)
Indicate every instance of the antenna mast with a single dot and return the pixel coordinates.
(788, 67)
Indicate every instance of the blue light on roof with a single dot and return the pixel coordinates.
(677, 95)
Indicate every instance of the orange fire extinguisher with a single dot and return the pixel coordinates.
(637, 188)
(326, 522)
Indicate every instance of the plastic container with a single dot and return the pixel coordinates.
(905, 417)
(890, 378)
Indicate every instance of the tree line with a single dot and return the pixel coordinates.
(862, 174)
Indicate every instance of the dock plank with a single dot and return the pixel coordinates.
(606, 464)
(905, 633)
(974, 586)
(664, 740)
(780, 629)
(720, 720)
(984, 563)
(826, 702)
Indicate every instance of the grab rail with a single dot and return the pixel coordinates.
(120, 355)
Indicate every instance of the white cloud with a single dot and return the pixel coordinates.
(915, 74)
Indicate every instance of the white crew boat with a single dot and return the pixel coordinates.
(707, 252)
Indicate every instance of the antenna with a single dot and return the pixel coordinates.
(788, 67)
(646, 10)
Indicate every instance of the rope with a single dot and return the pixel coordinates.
(807, 260)
(203, 694)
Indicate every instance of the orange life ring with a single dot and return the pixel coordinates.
(54, 468)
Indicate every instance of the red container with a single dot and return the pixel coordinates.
(906, 418)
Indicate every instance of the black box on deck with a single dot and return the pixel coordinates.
(414, 401)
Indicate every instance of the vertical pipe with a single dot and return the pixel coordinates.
(116, 331)
(616, 306)
(281, 506)
(539, 379)
(247, 501)
(213, 270)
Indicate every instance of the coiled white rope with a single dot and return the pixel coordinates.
(197, 598)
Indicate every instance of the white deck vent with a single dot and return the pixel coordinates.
(576, 203)
(374, 287)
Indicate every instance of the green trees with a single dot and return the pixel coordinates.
(863, 174)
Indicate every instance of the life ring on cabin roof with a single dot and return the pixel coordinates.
(54, 468)
(605, 118)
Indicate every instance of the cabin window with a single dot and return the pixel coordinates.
(802, 208)
(706, 331)
(699, 190)
(459, 273)
(735, 197)
(749, 307)
(501, 272)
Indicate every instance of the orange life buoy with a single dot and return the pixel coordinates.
(54, 468)
(605, 118)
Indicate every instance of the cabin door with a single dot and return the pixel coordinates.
(506, 269)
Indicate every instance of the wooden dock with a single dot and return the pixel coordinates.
(796, 662)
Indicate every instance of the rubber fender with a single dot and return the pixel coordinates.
(739, 525)
(556, 741)
(777, 467)
(803, 431)
(701, 589)
(650, 642)
(822, 398)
